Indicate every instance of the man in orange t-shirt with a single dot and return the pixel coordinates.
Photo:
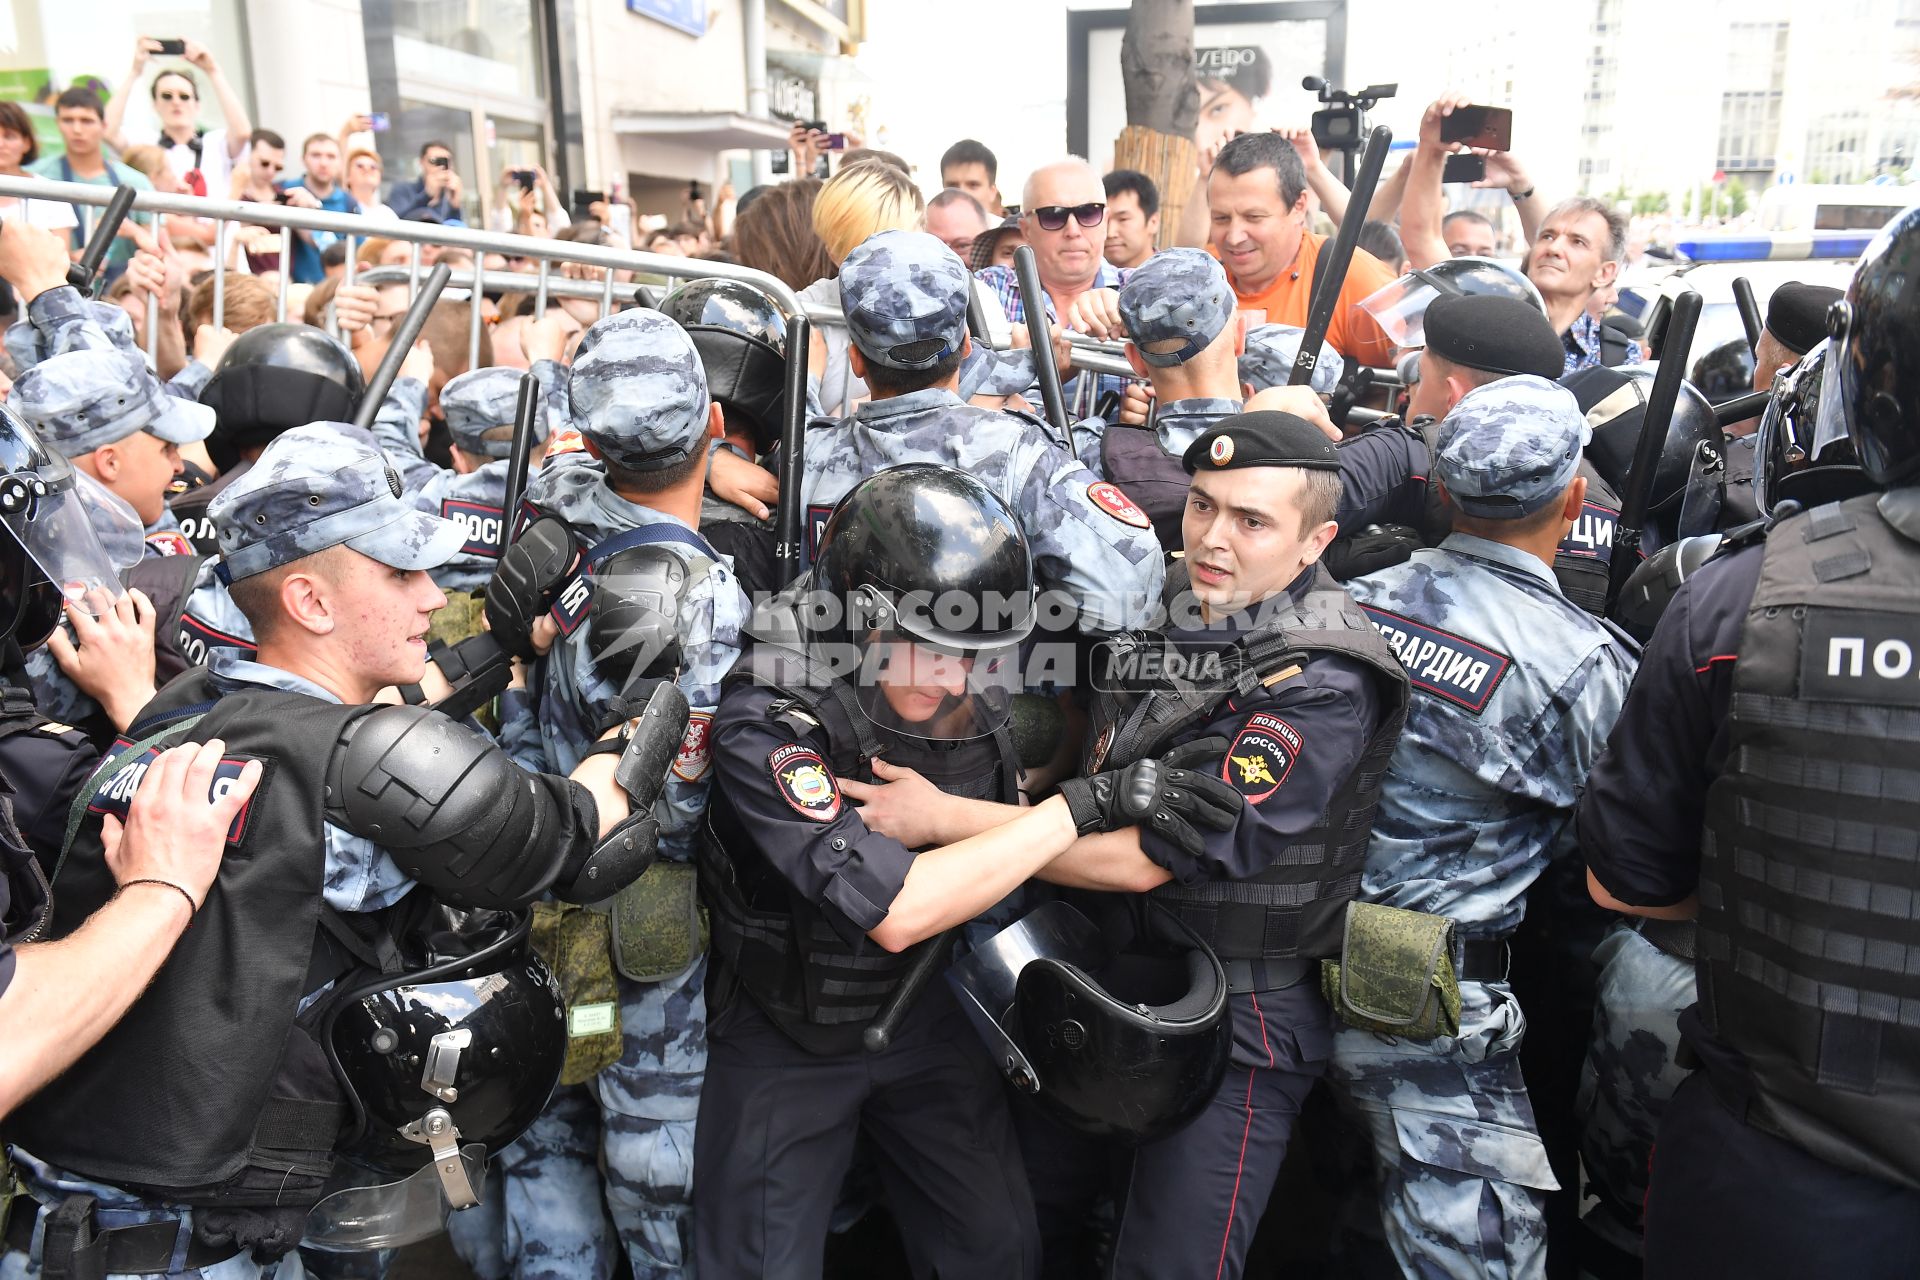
(1257, 201)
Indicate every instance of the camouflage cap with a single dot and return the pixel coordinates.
(905, 296)
(639, 392)
(479, 407)
(1510, 447)
(1175, 304)
(1271, 351)
(85, 399)
(28, 346)
(320, 486)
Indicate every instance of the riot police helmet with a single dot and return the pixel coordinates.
(741, 336)
(1400, 308)
(923, 590)
(1871, 391)
(1126, 1042)
(276, 377)
(1690, 474)
(1798, 457)
(52, 552)
(1724, 372)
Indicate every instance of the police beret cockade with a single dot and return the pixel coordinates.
(1267, 438)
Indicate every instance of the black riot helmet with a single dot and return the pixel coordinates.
(462, 1049)
(1401, 307)
(276, 377)
(1688, 479)
(1724, 372)
(51, 551)
(1872, 387)
(1128, 1043)
(741, 336)
(1798, 456)
(924, 577)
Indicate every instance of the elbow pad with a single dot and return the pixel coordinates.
(454, 811)
(634, 631)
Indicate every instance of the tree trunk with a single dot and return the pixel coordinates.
(1163, 103)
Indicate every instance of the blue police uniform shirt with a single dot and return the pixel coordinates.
(1088, 538)
(1330, 710)
(1645, 803)
(1514, 688)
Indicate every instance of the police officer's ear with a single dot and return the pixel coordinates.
(1316, 542)
(106, 463)
(1134, 362)
(307, 600)
(716, 420)
(1573, 501)
(856, 362)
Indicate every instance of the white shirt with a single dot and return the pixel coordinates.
(49, 215)
(215, 165)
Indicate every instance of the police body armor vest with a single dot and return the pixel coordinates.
(1132, 458)
(818, 988)
(211, 1092)
(1809, 927)
(1295, 908)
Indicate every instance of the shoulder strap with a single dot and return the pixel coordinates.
(651, 535)
(171, 727)
(18, 711)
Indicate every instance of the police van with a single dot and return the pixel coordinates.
(1812, 233)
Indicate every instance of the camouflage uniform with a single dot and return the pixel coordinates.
(1516, 690)
(81, 400)
(1271, 351)
(1630, 1074)
(475, 403)
(62, 320)
(905, 297)
(265, 520)
(638, 393)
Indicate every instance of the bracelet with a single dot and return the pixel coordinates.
(1518, 196)
(193, 908)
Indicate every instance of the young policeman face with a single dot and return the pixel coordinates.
(1245, 535)
(380, 616)
(917, 680)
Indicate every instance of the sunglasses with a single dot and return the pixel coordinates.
(175, 97)
(1053, 217)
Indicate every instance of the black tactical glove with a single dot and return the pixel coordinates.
(522, 586)
(1150, 794)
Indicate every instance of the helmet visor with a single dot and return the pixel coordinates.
(47, 515)
(370, 1214)
(1400, 309)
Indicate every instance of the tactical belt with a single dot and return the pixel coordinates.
(1266, 975)
(1673, 937)
(1482, 960)
(73, 1250)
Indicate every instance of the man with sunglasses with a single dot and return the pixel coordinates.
(203, 158)
(1065, 217)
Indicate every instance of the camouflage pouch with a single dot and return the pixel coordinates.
(463, 618)
(574, 942)
(1395, 973)
(658, 923)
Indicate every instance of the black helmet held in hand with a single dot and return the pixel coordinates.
(276, 377)
(1872, 384)
(1128, 1043)
(1691, 466)
(1401, 307)
(741, 336)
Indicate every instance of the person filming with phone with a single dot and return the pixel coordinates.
(436, 190)
(204, 159)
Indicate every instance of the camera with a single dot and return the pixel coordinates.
(524, 177)
(1342, 124)
(175, 48)
(441, 162)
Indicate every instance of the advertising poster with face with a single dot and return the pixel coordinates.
(1249, 71)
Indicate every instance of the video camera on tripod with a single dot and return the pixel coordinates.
(1342, 124)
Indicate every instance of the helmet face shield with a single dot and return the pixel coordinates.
(1400, 309)
(370, 1214)
(46, 515)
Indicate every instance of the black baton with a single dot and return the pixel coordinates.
(1330, 272)
(927, 961)
(1040, 333)
(793, 430)
(1654, 421)
(80, 275)
(1740, 408)
(526, 411)
(1749, 311)
(405, 334)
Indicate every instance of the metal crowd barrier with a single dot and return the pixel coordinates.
(356, 228)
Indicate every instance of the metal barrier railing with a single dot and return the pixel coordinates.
(357, 228)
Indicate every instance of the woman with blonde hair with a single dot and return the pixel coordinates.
(865, 197)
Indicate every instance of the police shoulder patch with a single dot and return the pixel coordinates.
(805, 781)
(696, 748)
(1449, 667)
(116, 795)
(1260, 756)
(481, 523)
(1107, 496)
(566, 440)
(169, 542)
